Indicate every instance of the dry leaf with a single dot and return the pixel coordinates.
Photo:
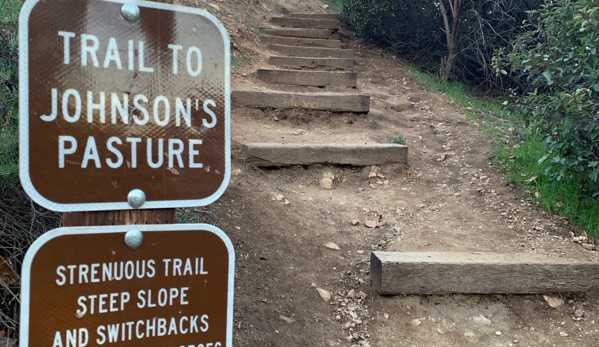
(532, 178)
(553, 301)
(370, 223)
(373, 172)
(332, 246)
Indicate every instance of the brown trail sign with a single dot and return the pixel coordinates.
(148, 285)
(118, 98)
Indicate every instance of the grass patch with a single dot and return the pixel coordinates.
(399, 140)
(239, 59)
(571, 198)
(516, 152)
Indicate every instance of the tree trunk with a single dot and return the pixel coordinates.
(448, 62)
(451, 35)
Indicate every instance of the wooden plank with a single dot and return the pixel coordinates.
(331, 34)
(307, 23)
(315, 52)
(328, 16)
(477, 273)
(312, 63)
(334, 102)
(278, 154)
(301, 41)
(119, 217)
(309, 78)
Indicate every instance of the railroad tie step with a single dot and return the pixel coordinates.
(309, 78)
(307, 23)
(288, 154)
(330, 34)
(333, 102)
(314, 52)
(478, 273)
(311, 63)
(301, 41)
(328, 16)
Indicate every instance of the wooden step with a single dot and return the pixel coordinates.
(309, 78)
(312, 63)
(477, 273)
(277, 154)
(328, 16)
(334, 102)
(317, 52)
(301, 41)
(307, 33)
(307, 23)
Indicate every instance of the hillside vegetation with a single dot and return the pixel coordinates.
(539, 56)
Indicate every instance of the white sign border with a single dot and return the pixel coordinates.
(42, 240)
(116, 205)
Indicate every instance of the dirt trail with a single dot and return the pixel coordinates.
(449, 198)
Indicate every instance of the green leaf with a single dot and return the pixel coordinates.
(547, 75)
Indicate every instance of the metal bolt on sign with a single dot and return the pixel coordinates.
(136, 198)
(130, 12)
(134, 238)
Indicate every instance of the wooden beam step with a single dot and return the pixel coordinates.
(334, 102)
(315, 52)
(307, 23)
(312, 63)
(301, 41)
(277, 154)
(309, 78)
(328, 16)
(477, 273)
(307, 33)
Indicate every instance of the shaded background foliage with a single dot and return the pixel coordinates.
(414, 30)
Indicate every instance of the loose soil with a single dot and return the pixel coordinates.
(449, 198)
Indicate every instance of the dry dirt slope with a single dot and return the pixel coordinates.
(447, 199)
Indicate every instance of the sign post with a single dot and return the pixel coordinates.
(124, 116)
(130, 286)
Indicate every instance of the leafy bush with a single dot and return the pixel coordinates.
(558, 60)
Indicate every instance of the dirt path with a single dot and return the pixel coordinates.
(449, 198)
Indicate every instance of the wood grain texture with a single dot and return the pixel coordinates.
(334, 102)
(301, 41)
(312, 63)
(277, 154)
(308, 23)
(309, 78)
(315, 52)
(119, 217)
(330, 34)
(477, 273)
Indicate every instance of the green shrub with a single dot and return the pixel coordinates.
(398, 140)
(9, 14)
(558, 58)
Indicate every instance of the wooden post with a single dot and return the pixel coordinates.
(120, 217)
